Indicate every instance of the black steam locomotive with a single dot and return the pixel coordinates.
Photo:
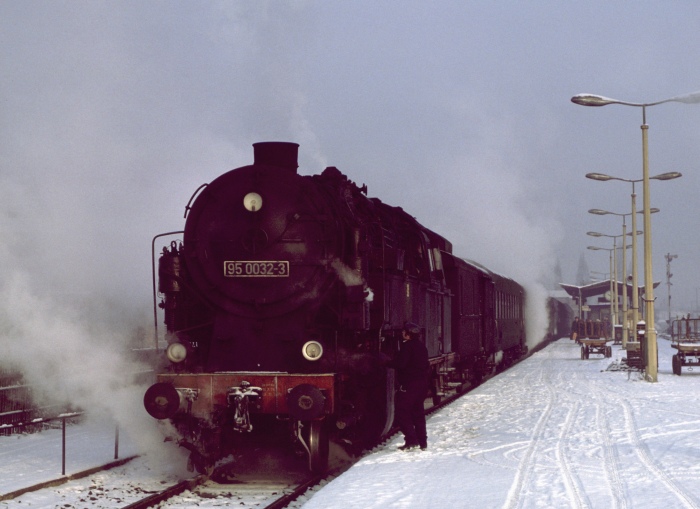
(287, 294)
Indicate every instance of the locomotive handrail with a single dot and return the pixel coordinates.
(196, 192)
(153, 274)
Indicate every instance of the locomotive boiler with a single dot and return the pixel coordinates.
(285, 297)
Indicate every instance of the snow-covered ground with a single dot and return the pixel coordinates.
(32, 459)
(554, 431)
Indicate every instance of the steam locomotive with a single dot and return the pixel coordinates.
(285, 297)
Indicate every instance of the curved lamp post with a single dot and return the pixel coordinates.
(613, 275)
(635, 282)
(599, 100)
(614, 249)
(635, 298)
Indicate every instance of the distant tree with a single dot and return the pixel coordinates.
(582, 273)
(558, 278)
(551, 279)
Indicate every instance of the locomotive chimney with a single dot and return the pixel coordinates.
(276, 153)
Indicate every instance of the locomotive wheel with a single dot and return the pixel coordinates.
(676, 364)
(197, 462)
(318, 446)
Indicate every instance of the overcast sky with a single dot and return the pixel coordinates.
(113, 113)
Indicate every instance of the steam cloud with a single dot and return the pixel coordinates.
(69, 361)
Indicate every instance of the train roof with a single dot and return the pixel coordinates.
(436, 239)
(495, 276)
(489, 271)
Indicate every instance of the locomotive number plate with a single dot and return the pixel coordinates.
(256, 269)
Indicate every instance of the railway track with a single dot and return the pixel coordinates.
(251, 485)
(253, 489)
(268, 493)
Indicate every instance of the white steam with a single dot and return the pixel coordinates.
(351, 277)
(493, 214)
(348, 276)
(68, 361)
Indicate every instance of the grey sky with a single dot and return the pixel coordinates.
(112, 113)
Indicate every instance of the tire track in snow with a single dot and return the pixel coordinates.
(570, 481)
(527, 464)
(610, 456)
(585, 388)
(525, 473)
(646, 458)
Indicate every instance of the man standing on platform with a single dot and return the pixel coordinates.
(574, 328)
(413, 376)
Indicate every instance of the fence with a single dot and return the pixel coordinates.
(63, 418)
(19, 410)
(16, 404)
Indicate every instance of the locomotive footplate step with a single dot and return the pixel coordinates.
(599, 346)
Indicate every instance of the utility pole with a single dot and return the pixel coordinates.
(669, 257)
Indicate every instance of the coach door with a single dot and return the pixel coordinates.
(488, 314)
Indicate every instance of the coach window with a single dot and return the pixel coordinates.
(416, 263)
(510, 307)
(431, 261)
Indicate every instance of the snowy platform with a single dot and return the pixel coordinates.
(551, 432)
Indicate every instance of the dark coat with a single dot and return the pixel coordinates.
(411, 363)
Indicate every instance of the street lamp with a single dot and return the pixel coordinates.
(650, 333)
(635, 298)
(648, 282)
(669, 257)
(613, 293)
(613, 289)
(635, 272)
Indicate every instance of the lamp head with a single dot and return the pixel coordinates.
(592, 100)
(598, 176)
(667, 176)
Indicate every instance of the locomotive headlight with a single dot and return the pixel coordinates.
(312, 350)
(176, 352)
(252, 202)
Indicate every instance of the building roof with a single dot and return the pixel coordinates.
(598, 288)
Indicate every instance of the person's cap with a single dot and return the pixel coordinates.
(411, 328)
